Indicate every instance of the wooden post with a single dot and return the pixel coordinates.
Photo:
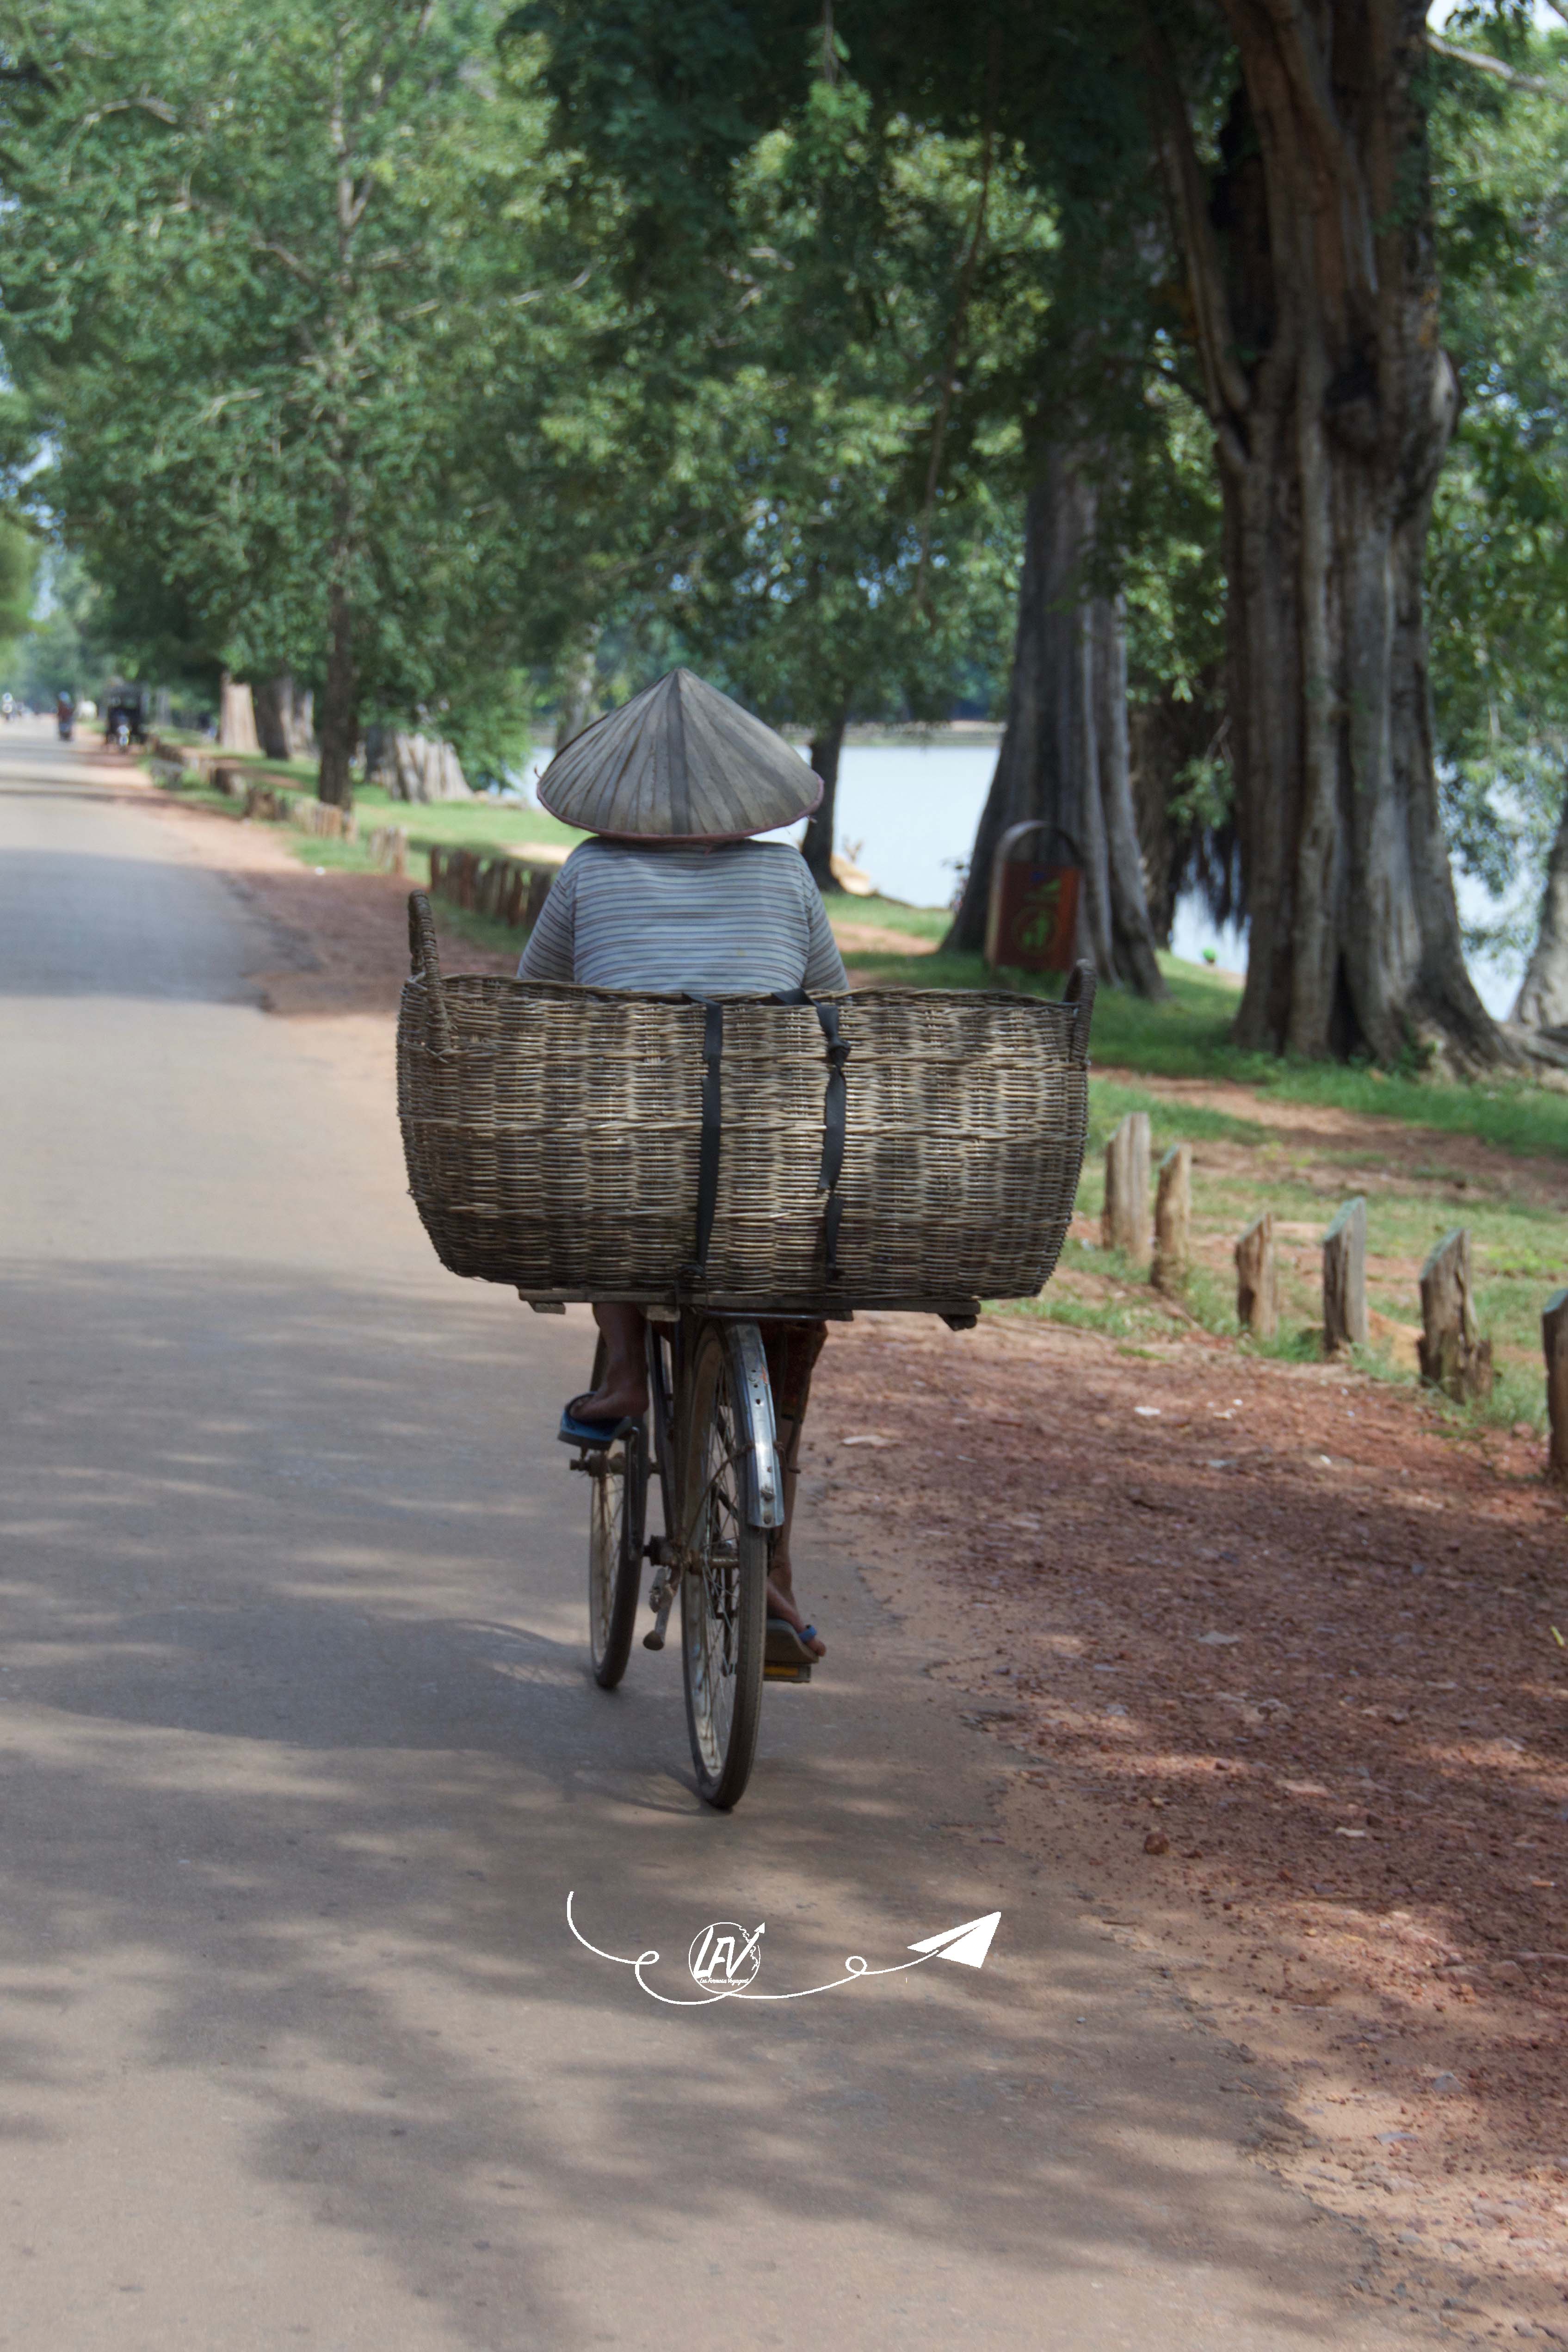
(1554, 1339)
(1344, 1279)
(1125, 1223)
(539, 886)
(1172, 1220)
(1454, 1358)
(1256, 1281)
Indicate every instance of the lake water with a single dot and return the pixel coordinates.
(907, 814)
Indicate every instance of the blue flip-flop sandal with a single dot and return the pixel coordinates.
(785, 1647)
(573, 1432)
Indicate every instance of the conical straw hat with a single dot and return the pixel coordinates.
(680, 761)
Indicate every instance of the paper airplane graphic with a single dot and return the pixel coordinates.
(968, 1944)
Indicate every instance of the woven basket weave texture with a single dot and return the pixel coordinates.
(553, 1137)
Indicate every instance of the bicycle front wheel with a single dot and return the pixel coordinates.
(724, 1592)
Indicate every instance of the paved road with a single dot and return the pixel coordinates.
(300, 1762)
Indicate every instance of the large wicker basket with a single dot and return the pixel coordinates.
(554, 1138)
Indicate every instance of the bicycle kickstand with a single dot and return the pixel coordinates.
(661, 1596)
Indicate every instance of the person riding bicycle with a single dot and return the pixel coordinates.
(671, 895)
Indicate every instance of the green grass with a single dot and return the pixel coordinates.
(889, 915)
(466, 825)
(1188, 1036)
(1109, 1101)
(478, 824)
(1513, 1270)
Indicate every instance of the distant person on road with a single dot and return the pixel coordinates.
(672, 897)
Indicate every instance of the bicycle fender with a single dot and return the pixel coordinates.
(763, 1470)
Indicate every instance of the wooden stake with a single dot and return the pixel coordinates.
(539, 885)
(1454, 1358)
(1555, 1338)
(1257, 1280)
(1172, 1220)
(1125, 1223)
(1344, 1279)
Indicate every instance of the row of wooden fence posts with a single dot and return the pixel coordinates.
(1452, 1354)
(490, 882)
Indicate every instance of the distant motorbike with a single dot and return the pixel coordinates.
(122, 724)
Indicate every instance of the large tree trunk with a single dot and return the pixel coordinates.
(423, 768)
(1064, 755)
(284, 722)
(1542, 1002)
(827, 746)
(236, 716)
(1315, 300)
(340, 705)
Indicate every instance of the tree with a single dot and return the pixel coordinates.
(842, 570)
(1065, 761)
(18, 575)
(1293, 137)
(836, 580)
(1314, 299)
(265, 314)
(63, 648)
(792, 285)
(1499, 554)
(1065, 756)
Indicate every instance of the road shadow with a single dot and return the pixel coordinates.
(283, 1747)
(132, 927)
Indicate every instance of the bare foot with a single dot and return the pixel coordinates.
(781, 1603)
(619, 1400)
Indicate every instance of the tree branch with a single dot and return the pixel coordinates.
(1226, 388)
(159, 107)
(1298, 52)
(1486, 65)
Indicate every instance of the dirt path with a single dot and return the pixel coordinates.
(1269, 1653)
(1266, 1656)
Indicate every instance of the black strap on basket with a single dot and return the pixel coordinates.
(425, 962)
(835, 1120)
(835, 1124)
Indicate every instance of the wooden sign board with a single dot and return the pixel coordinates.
(1032, 922)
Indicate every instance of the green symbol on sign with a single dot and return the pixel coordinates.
(1039, 911)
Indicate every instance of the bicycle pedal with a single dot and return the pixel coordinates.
(786, 1674)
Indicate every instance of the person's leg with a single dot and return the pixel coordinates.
(793, 1350)
(621, 1393)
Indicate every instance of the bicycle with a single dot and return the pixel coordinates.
(715, 1453)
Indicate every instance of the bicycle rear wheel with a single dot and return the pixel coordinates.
(724, 1592)
(618, 1490)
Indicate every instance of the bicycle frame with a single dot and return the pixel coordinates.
(670, 1351)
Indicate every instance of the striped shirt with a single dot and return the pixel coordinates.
(741, 919)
